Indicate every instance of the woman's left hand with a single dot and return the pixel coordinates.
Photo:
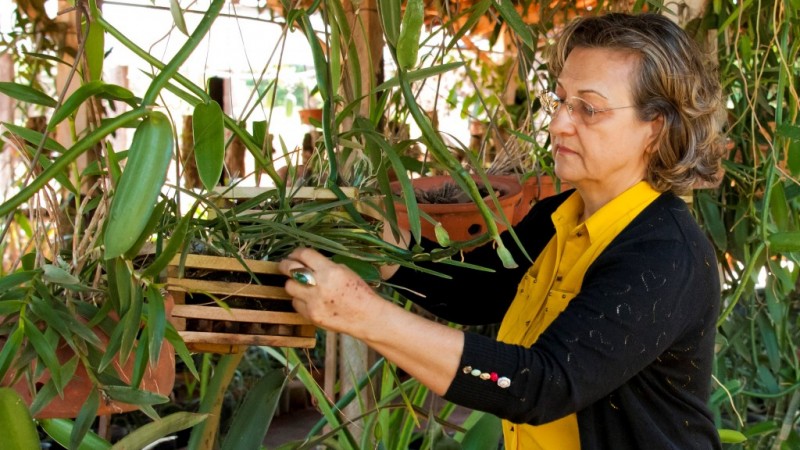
(329, 294)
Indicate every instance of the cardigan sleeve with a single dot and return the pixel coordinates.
(646, 309)
(474, 297)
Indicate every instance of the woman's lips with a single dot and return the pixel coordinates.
(563, 149)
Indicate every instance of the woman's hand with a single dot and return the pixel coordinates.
(335, 298)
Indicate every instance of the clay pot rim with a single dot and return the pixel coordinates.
(511, 188)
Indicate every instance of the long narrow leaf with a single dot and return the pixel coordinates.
(26, 94)
(253, 417)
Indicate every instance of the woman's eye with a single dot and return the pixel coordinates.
(586, 109)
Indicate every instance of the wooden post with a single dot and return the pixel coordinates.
(367, 34)
(7, 105)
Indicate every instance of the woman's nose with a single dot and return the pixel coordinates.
(561, 122)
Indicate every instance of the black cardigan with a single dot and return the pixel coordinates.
(632, 352)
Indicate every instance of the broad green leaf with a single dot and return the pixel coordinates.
(728, 436)
(209, 142)
(17, 428)
(784, 242)
(26, 94)
(57, 275)
(61, 429)
(140, 185)
(252, 418)
(95, 50)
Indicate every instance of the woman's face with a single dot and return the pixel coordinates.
(606, 153)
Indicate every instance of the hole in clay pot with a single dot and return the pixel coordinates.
(474, 229)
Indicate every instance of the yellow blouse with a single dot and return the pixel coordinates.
(548, 286)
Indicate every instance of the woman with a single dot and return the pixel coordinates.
(607, 339)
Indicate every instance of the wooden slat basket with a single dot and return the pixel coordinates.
(260, 311)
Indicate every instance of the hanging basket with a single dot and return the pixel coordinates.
(253, 313)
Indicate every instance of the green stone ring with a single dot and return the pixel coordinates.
(304, 275)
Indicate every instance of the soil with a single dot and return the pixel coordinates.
(449, 193)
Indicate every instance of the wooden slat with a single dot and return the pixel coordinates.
(238, 315)
(222, 263)
(208, 347)
(225, 288)
(302, 193)
(241, 339)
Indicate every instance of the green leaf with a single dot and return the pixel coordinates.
(57, 275)
(784, 242)
(252, 418)
(209, 142)
(389, 12)
(17, 428)
(156, 322)
(95, 50)
(127, 394)
(417, 75)
(140, 184)
(180, 349)
(789, 131)
(515, 23)
(174, 245)
(61, 429)
(17, 279)
(131, 323)
(410, 29)
(35, 137)
(320, 63)
(728, 436)
(177, 16)
(10, 349)
(26, 94)
(712, 219)
(149, 229)
(83, 93)
(45, 351)
(85, 418)
(147, 434)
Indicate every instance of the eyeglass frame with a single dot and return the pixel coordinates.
(548, 97)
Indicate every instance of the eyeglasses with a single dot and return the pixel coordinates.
(580, 111)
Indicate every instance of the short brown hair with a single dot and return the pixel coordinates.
(675, 80)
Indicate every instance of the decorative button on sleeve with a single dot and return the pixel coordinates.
(502, 382)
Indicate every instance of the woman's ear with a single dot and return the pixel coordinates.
(656, 130)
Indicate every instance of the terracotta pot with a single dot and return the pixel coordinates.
(533, 190)
(311, 113)
(159, 379)
(462, 221)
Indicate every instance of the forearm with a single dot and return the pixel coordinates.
(426, 350)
